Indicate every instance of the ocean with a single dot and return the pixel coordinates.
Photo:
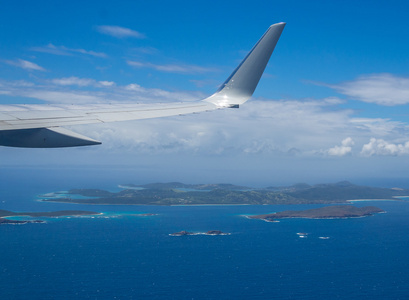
(123, 256)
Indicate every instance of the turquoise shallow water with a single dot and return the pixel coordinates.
(122, 256)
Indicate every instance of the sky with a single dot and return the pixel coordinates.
(332, 104)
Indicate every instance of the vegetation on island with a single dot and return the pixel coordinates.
(53, 214)
(327, 212)
(187, 194)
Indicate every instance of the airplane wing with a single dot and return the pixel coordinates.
(39, 126)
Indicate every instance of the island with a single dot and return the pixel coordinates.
(18, 222)
(176, 193)
(54, 214)
(327, 212)
(182, 233)
(144, 215)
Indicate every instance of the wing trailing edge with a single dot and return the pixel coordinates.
(57, 137)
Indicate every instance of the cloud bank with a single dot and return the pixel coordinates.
(266, 127)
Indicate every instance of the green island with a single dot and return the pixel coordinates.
(327, 212)
(227, 194)
(54, 214)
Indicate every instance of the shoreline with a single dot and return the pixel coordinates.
(65, 202)
(322, 213)
(369, 200)
(345, 202)
(233, 204)
(208, 204)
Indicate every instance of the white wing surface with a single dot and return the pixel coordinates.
(39, 126)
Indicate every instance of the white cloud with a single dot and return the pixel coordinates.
(106, 83)
(81, 82)
(258, 128)
(383, 89)
(120, 32)
(24, 64)
(63, 96)
(344, 149)
(266, 128)
(134, 87)
(382, 147)
(206, 82)
(62, 90)
(73, 81)
(62, 50)
(145, 50)
(172, 68)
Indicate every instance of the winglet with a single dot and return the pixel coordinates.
(240, 85)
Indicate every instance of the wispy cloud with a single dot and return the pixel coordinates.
(63, 96)
(172, 68)
(62, 50)
(73, 81)
(145, 50)
(119, 32)
(82, 82)
(79, 90)
(205, 82)
(106, 83)
(383, 89)
(25, 64)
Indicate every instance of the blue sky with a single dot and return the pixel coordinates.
(332, 104)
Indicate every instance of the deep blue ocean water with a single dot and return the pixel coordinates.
(133, 257)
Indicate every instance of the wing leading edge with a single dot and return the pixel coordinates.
(38, 126)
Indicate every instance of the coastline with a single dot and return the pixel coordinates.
(55, 200)
(322, 213)
(141, 204)
(180, 194)
(370, 200)
(207, 204)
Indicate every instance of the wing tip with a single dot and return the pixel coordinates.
(279, 24)
(241, 84)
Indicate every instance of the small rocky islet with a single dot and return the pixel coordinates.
(54, 214)
(210, 232)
